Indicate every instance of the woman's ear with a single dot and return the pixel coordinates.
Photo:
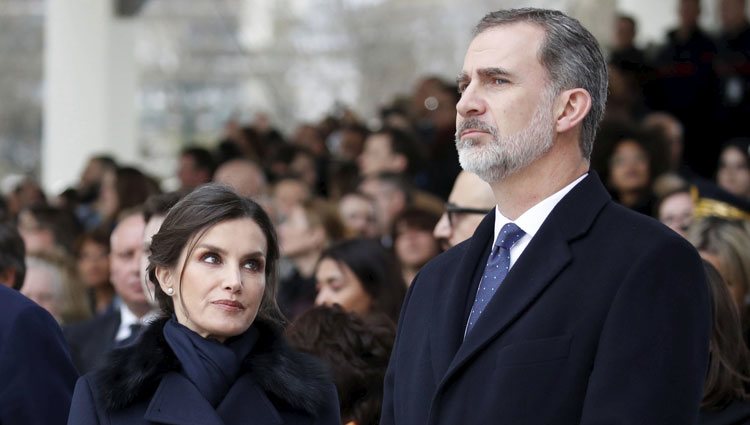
(573, 106)
(164, 276)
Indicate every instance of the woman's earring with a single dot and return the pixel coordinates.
(170, 291)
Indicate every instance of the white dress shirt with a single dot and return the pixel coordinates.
(531, 220)
(128, 318)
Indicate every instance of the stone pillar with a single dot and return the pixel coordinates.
(89, 89)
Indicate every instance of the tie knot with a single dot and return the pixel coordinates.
(509, 235)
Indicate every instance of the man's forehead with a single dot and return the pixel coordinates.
(507, 45)
(128, 228)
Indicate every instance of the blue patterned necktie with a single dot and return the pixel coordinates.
(495, 271)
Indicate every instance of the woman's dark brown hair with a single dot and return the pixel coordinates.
(376, 268)
(191, 218)
(355, 349)
(729, 363)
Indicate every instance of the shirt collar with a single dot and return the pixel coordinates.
(128, 318)
(533, 218)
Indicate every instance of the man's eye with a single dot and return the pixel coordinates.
(499, 81)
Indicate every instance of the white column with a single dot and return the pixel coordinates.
(89, 88)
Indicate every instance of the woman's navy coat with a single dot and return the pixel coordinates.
(141, 384)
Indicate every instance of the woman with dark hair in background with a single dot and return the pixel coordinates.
(218, 354)
(733, 174)
(413, 241)
(92, 264)
(123, 188)
(725, 395)
(306, 230)
(628, 161)
(362, 277)
(355, 349)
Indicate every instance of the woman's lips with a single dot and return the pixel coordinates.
(229, 305)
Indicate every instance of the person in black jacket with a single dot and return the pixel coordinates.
(217, 356)
(36, 373)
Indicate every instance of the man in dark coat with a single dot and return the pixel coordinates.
(90, 341)
(36, 374)
(582, 312)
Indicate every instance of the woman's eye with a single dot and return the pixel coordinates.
(211, 259)
(253, 265)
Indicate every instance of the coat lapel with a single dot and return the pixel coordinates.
(541, 262)
(447, 330)
(177, 402)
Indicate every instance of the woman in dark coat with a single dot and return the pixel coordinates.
(217, 357)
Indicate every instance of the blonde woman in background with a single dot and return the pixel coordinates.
(725, 243)
(50, 283)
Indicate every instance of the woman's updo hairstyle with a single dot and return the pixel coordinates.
(187, 222)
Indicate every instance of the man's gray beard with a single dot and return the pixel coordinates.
(505, 155)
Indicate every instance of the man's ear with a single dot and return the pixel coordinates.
(164, 276)
(572, 107)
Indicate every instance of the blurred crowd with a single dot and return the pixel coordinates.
(359, 210)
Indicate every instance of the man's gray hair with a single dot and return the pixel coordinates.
(571, 56)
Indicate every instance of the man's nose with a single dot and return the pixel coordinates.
(471, 103)
(442, 228)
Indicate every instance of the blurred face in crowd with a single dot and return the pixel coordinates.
(358, 215)
(351, 144)
(469, 192)
(296, 235)
(36, 238)
(337, 284)
(189, 174)
(287, 193)
(218, 291)
(624, 33)
(44, 287)
(676, 212)
(152, 228)
(304, 166)
(389, 200)
(109, 202)
(732, 14)
(414, 247)
(629, 167)
(245, 177)
(734, 172)
(92, 173)
(378, 156)
(125, 260)
(93, 264)
(504, 121)
(689, 11)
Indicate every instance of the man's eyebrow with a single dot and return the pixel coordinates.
(485, 73)
(494, 72)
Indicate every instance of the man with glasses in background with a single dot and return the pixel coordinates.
(470, 200)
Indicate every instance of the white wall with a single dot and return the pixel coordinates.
(89, 87)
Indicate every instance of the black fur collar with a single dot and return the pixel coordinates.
(133, 373)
